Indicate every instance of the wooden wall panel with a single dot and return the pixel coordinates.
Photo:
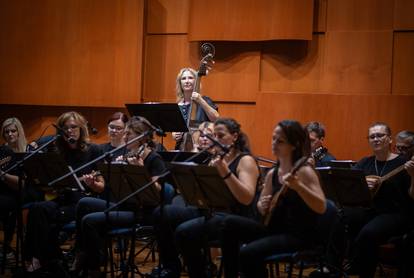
(165, 56)
(403, 63)
(167, 16)
(358, 62)
(243, 113)
(353, 15)
(250, 20)
(403, 15)
(319, 15)
(346, 118)
(68, 52)
(233, 77)
(293, 66)
(235, 74)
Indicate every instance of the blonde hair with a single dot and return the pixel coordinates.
(21, 139)
(83, 125)
(178, 89)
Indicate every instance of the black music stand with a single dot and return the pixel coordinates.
(45, 167)
(125, 179)
(176, 156)
(347, 164)
(202, 186)
(346, 187)
(166, 116)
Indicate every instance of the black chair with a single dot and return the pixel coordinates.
(318, 254)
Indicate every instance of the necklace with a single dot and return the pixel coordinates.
(382, 170)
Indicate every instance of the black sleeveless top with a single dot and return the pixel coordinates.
(292, 215)
(240, 209)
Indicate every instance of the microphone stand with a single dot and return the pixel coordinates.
(20, 179)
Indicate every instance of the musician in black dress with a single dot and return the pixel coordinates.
(292, 223)
(393, 202)
(320, 153)
(116, 130)
(207, 110)
(45, 218)
(92, 223)
(184, 229)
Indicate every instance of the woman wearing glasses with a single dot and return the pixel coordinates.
(116, 130)
(392, 213)
(45, 218)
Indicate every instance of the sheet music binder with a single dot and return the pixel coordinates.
(346, 187)
(166, 116)
(126, 179)
(202, 186)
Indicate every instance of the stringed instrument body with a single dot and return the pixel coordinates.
(192, 124)
(279, 194)
(377, 181)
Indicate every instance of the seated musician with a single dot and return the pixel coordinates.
(320, 153)
(14, 142)
(201, 141)
(393, 199)
(116, 130)
(404, 143)
(184, 229)
(185, 93)
(291, 223)
(91, 221)
(41, 242)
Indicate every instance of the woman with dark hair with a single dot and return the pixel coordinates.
(116, 130)
(91, 221)
(185, 229)
(44, 218)
(292, 222)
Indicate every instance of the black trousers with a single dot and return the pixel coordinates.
(165, 225)
(246, 243)
(8, 210)
(377, 231)
(44, 221)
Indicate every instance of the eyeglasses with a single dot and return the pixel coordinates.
(116, 128)
(70, 127)
(377, 135)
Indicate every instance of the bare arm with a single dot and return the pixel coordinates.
(266, 195)
(306, 184)
(212, 114)
(242, 187)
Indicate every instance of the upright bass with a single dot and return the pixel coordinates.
(205, 64)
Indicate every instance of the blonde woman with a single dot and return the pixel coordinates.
(207, 110)
(15, 141)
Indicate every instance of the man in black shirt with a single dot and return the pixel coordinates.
(320, 154)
